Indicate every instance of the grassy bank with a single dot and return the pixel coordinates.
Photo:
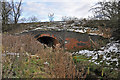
(25, 57)
(45, 63)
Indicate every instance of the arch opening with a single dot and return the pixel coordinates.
(49, 41)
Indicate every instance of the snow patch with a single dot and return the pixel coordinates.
(81, 31)
(92, 33)
(38, 28)
(52, 27)
(113, 47)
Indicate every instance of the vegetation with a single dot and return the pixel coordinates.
(25, 57)
(108, 11)
(100, 70)
(46, 63)
(11, 12)
(51, 17)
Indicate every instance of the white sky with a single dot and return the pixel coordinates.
(60, 8)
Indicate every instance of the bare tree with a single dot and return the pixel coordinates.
(106, 10)
(6, 12)
(33, 19)
(16, 8)
(64, 18)
(23, 20)
(109, 11)
(51, 16)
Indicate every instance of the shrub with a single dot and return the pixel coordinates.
(45, 63)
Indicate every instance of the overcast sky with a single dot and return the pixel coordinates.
(60, 8)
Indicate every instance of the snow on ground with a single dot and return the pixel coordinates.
(112, 47)
(77, 30)
(52, 27)
(81, 31)
(93, 34)
(76, 27)
(70, 29)
(84, 30)
(38, 28)
(11, 53)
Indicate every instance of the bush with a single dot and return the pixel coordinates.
(45, 63)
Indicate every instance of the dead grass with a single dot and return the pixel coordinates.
(47, 63)
(105, 32)
(16, 43)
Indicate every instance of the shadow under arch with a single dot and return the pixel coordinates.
(49, 41)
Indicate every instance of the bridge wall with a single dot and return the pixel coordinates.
(69, 40)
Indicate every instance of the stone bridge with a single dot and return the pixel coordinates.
(71, 41)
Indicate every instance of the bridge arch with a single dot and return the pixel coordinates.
(50, 41)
